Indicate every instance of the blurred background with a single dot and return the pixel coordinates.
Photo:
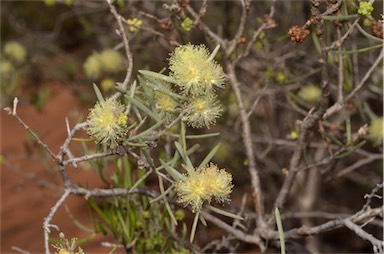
(47, 61)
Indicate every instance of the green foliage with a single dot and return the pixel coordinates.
(134, 221)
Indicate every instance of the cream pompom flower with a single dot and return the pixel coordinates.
(197, 187)
(92, 66)
(202, 111)
(111, 60)
(194, 71)
(107, 61)
(107, 123)
(166, 105)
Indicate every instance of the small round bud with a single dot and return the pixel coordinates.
(365, 8)
(298, 34)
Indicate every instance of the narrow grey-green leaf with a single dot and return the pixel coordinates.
(173, 172)
(280, 229)
(228, 214)
(210, 155)
(98, 93)
(194, 226)
(157, 76)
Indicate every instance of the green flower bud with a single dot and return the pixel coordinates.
(365, 8)
(187, 24)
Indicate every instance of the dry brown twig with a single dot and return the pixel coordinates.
(340, 104)
(309, 121)
(121, 32)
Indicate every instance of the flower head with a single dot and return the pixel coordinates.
(65, 246)
(376, 133)
(202, 111)
(310, 93)
(199, 186)
(111, 60)
(165, 103)
(107, 123)
(108, 60)
(5, 67)
(107, 84)
(15, 51)
(134, 24)
(194, 71)
(92, 66)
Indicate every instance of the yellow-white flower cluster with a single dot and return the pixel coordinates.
(107, 123)
(197, 187)
(194, 71)
(196, 74)
(106, 61)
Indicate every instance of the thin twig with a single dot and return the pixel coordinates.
(48, 219)
(258, 97)
(296, 233)
(309, 121)
(26, 127)
(122, 33)
(64, 149)
(326, 215)
(113, 192)
(19, 250)
(71, 134)
(239, 234)
(256, 34)
(232, 45)
(88, 157)
(358, 164)
(340, 104)
(247, 141)
(330, 225)
(202, 11)
(372, 194)
(378, 246)
(206, 29)
(341, 40)
(340, 69)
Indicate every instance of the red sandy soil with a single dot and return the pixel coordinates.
(30, 182)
